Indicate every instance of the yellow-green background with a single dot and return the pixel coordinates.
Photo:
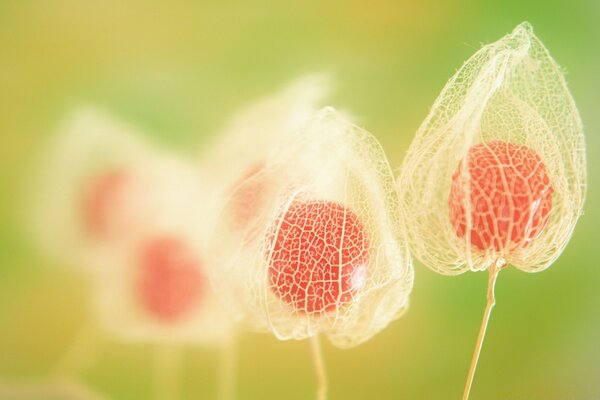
(178, 69)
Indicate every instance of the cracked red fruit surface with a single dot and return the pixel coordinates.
(504, 199)
(170, 283)
(319, 252)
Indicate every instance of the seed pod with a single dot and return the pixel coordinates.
(152, 284)
(82, 196)
(155, 288)
(132, 217)
(496, 172)
(324, 252)
(240, 150)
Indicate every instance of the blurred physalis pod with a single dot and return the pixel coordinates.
(241, 149)
(152, 284)
(324, 251)
(133, 216)
(100, 183)
(496, 173)
(156, 289)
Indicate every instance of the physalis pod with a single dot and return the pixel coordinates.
(324, 251)
(496, 173)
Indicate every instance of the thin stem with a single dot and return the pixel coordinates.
(227, 367)
(494, 269)
(81, 353)
(317, 355)
(166, 369)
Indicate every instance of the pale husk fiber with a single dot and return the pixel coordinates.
(513, 91)
(169, 198)
(327, 159)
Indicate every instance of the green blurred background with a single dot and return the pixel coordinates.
(178, 69)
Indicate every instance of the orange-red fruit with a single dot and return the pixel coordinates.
(101, 200)
(510, 196)
(248, 197)
(170, 283)
(318, 256)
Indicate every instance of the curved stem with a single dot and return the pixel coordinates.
(494, 269)
(227, 367)
(317, 355)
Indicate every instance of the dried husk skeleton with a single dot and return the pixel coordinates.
(513, 91)
(510, 91)
(160, 201)
(329, 160)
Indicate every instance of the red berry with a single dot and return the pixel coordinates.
(248, 197)
(170, 283)
(510, 196)
(319, 256)
(101, 200)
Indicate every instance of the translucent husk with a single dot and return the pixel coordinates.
(244, 143)
(169, 199)
(88, 142)
(511, 90)
(327, 159)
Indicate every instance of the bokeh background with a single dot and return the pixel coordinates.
(178, 69)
